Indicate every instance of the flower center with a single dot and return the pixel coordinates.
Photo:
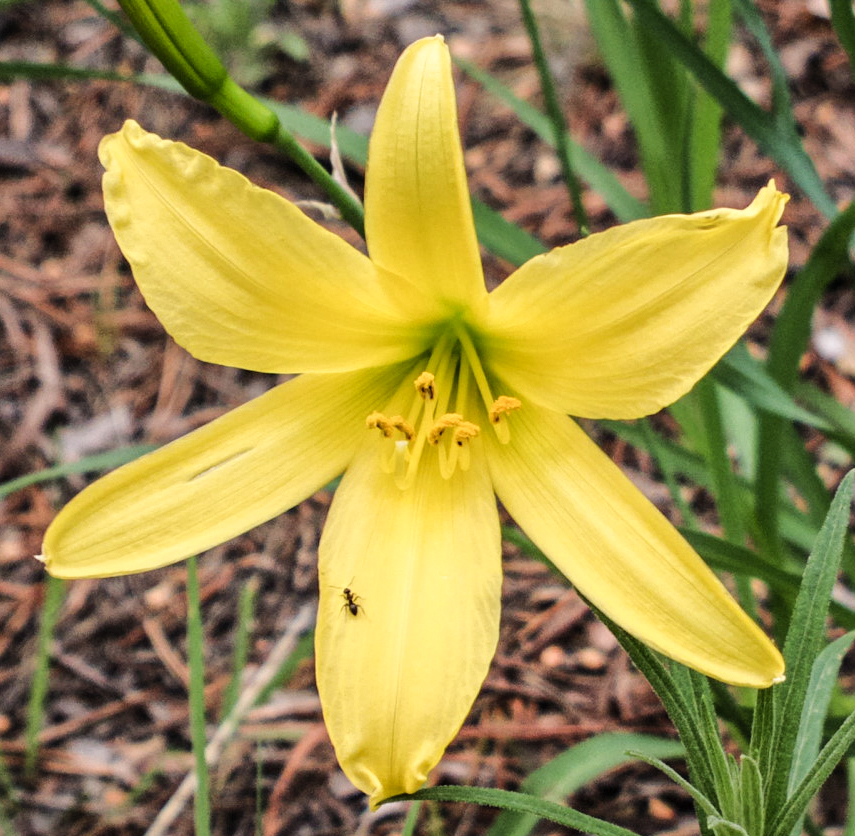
(440, 412)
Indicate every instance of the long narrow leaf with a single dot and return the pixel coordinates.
(780, 141)
(828, 758)
(804, 639)
(823, 678)
(519, 802)
(591, 170)
(99, 461)
(577, 766)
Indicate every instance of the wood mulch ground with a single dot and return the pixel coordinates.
(85, 367)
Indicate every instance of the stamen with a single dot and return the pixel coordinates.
(377, 420)
(450, 419)
(403, 426)
(464, 431)
(424, 384)
(503, 404)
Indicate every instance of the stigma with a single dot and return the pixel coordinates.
(443, 415)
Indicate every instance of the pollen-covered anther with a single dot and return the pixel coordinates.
(502, 405)
(403, 426)
(450, 419)
(464, 431)
(378, 421)
(424, 384)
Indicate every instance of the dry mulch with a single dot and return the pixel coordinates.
(85, 367)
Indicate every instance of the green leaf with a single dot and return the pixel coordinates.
(794, 808)
(622, 45)
(752, 813)
(682, 711)
(823, 678)
(747, 377)
(99, 461)
(790, 334)
(578, 765)
(804, 639)
(591, 170)
(776, 137)
(518, 802)
(703, 804)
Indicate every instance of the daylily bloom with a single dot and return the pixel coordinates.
(429, 394)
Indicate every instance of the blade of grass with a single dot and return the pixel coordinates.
(617, 40)
(519, 802)
(198, 733)
(575, 767)
(591, 170)
(804, 639)
(788, 341)
(280, 656)
(823, 678)
(683, 713)
(99, 461)
(776, 134)
(705, 131)
(54, 589)
(556, 117)
(795, 806)
(240, 654)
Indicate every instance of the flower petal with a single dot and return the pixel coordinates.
(238, 275)
(218, 481)
(621, 553)
(398, 678)
(624, 322)
(418, 217)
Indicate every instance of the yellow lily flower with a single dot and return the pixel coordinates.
(429, 394)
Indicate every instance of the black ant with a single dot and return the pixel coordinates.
(351, 600)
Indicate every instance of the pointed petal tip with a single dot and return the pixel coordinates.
(769, 197)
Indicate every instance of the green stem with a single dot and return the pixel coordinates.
(170, 35)
(196, 658)
(556, 117)
(351, 210)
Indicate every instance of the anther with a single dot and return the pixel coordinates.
(424, 384)
(503, 404)
(464, 431)
(403, 426)
(377, 420)
(450, 419)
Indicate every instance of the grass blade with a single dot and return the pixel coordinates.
(591, 170)
(776, 136)
(54, 594)
(578, 765)
(518, 802)
(198, 732)
(99, 461)
(556, 117)
(804, 639)
(823, 678)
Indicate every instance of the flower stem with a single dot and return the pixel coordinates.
(169, 34)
